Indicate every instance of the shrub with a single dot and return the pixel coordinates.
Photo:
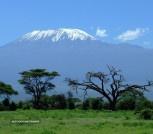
(143, 104)
(146, 114)
(70, 103)
(59, 101)
(92, 103)
(53, 102)
(6, 102)
(126, 104)
(96, 104)
(129, 100)
(45, 102)
(85, 105)
(6, 105)
(106, 105)
(2, 108)
(13, 106)
(20, 105)
(26, 106)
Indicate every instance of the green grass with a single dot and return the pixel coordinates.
(74, 122)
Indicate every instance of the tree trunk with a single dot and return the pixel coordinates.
(35, 101)
(112, 105)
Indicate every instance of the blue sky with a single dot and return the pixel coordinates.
(114, 21)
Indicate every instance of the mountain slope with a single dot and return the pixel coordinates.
(72, 58)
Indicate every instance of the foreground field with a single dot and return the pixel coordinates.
(74, 122)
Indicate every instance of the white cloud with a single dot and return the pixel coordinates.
(132, 34)
(101, 32)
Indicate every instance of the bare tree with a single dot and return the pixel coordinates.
(111, 86)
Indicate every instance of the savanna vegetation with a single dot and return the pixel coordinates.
(120, 106)
(74, 122)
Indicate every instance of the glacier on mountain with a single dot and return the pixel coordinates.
(58, 34)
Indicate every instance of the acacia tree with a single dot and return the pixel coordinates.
(37, 82)
(7, 90)
(111, 86)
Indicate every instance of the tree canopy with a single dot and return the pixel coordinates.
(37, 82)
(6, 89)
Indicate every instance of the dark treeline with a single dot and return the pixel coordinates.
(114, 93)
(62, 101)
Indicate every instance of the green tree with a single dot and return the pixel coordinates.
(7, 90)
(37, 82)
(128, 100)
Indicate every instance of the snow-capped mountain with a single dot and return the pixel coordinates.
(71, 52)
(57, 35)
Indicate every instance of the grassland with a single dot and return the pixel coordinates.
(74, 122)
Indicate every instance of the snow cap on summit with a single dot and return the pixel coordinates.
(59, 34)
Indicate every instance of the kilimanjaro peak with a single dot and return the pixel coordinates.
(56, 35)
